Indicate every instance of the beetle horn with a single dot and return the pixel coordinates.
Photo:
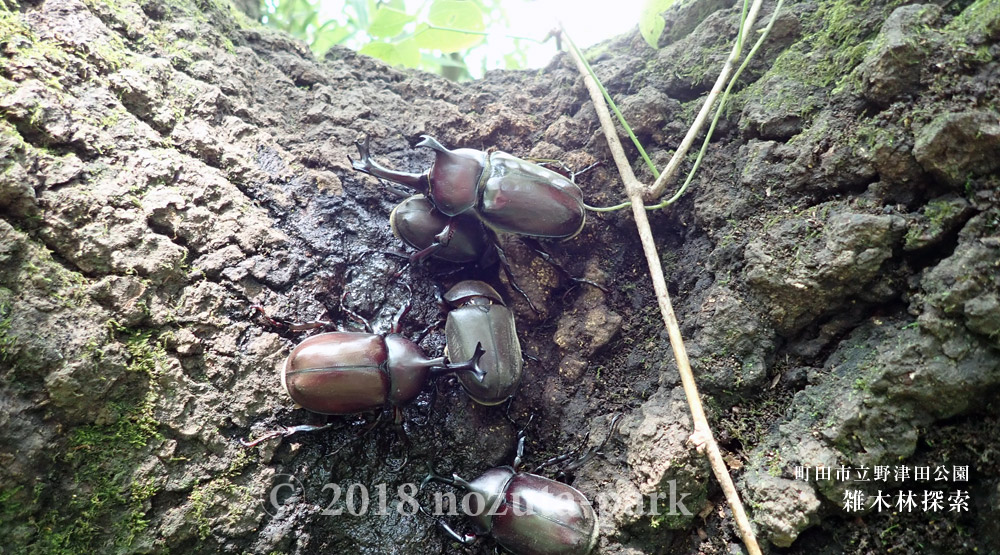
(415, 181)
(471, 365)
(432, 143)
(454, 176)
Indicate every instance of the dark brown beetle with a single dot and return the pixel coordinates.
(417, 223)
(528, 514)
(506, 193)
(468, 195)
(353, 372)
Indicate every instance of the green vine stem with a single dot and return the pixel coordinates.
(718, 111)
(656, 190)
(618, 113)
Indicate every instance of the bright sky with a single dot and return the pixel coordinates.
(587, 21)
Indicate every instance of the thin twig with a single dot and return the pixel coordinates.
(718, 111)
(656, 190)
(702, 436)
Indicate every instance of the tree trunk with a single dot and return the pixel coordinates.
(835, 268)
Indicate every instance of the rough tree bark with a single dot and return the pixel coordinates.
(166, 166)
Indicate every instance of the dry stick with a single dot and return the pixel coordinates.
(656, 190)
(702, 436)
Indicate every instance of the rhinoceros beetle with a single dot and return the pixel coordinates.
(528, 514)
(478, 317)
(468, 195)
(345, 372)
(459, 239)
(505, 193)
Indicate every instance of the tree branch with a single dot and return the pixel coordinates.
(702, 436)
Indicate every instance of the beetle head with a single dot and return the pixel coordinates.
(454, 176)
(466, 291)
(489, 488)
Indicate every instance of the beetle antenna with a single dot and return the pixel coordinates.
(368, 428)
(397, 422)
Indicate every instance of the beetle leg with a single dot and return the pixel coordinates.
(418, 257)
(521, 435)
(285, 432)
(423, 333)
(441, 240)
(406, 262)
(464, 539)
(505, 265)
(584, 170)
(399, 191)
(566, 170)
(365, 164)
(433, 476)
(587, 455)
(553, 164)
(446, 234)
(286, 325)
(556, 460)
(442, 309)
(537, 247)
(454, 480)
(520, 450)
(403, 310)
(423, 254)
(353, 315)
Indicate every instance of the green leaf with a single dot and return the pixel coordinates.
(651, 22)
(388, 22)
(455, 16)
(329, 35)
(513, 61)
(294, 16)
(404, 53)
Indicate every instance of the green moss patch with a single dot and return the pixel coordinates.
(108, 494)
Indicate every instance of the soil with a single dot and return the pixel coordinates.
(168, 167)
